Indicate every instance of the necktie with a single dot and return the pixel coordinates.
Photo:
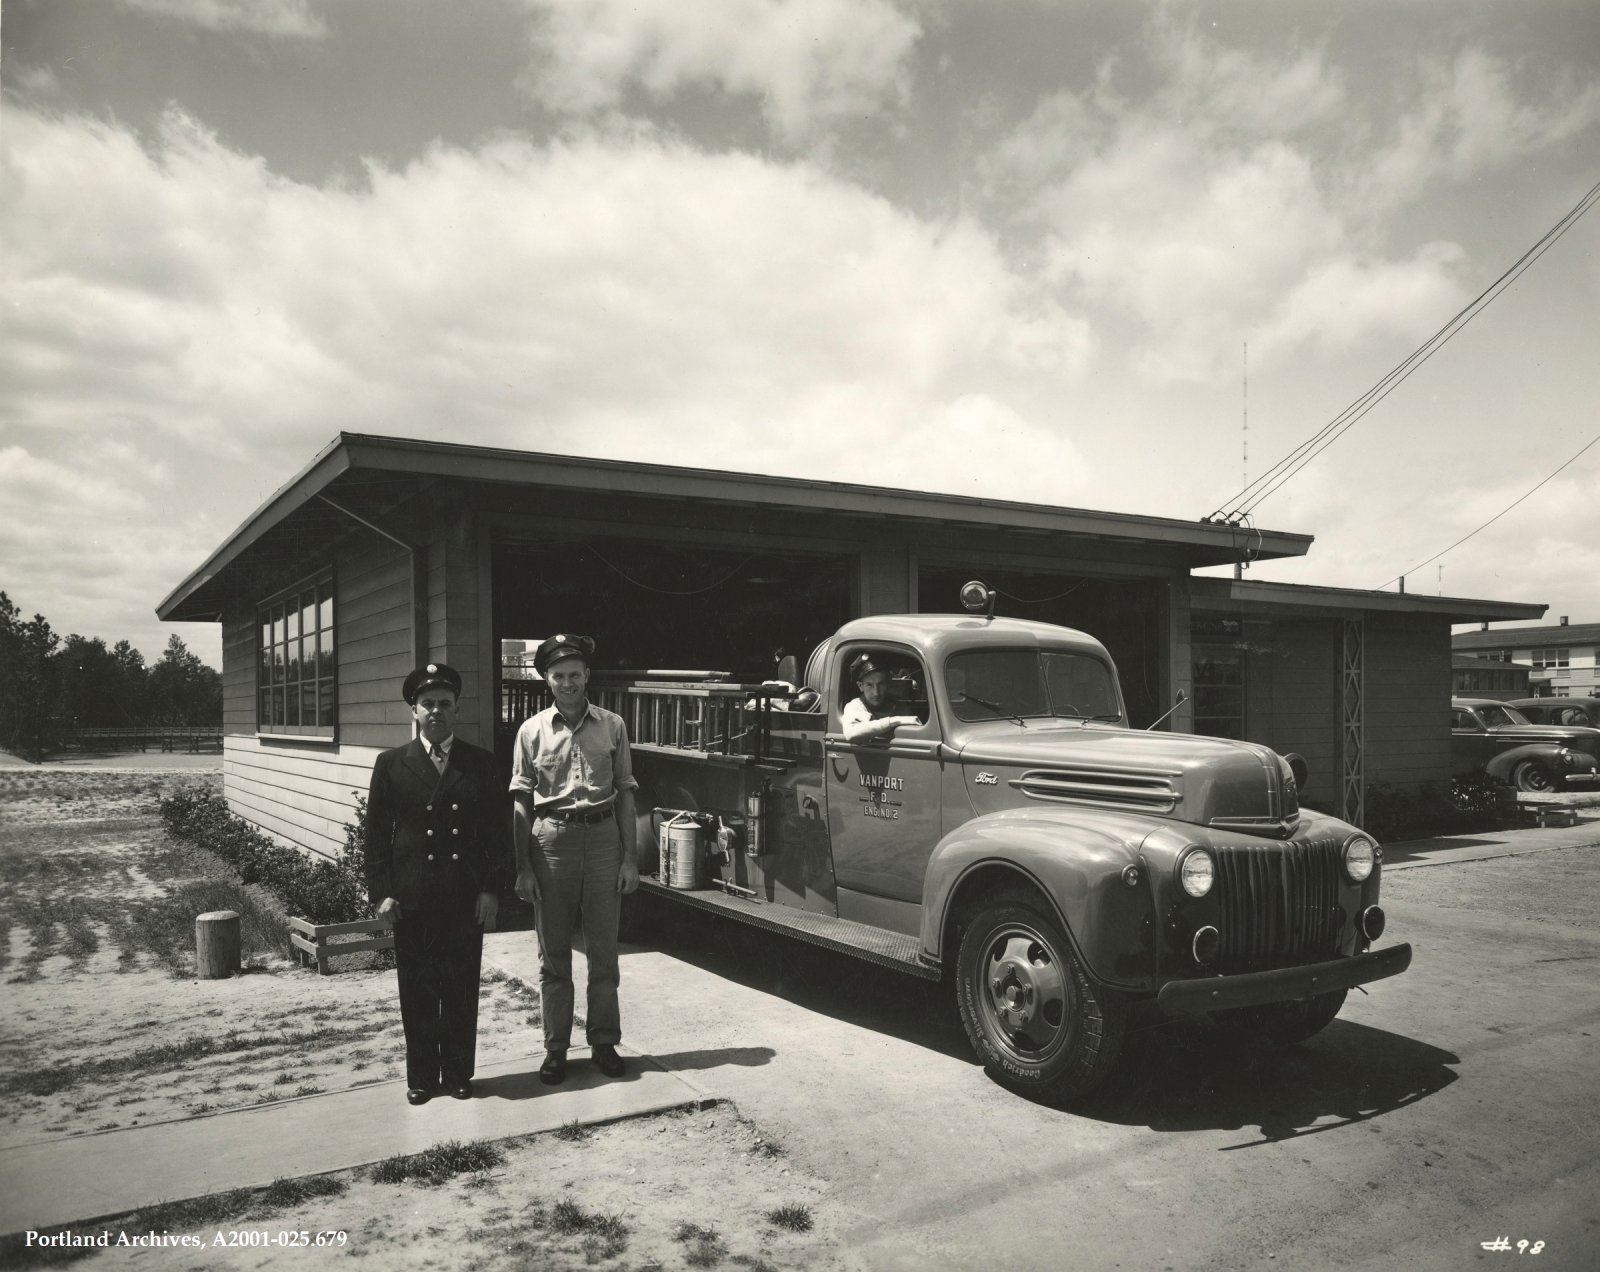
(437, 752)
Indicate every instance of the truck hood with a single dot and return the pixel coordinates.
(1205, 781)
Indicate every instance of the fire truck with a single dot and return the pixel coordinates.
(1012, 837)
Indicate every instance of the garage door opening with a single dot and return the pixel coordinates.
(1123, 614)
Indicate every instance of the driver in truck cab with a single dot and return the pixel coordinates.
(870, 716)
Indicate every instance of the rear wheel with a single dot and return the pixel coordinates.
(1284, 1023)
(1036, 1020)
(1532, 776)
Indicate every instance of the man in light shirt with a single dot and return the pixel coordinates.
(574, 833)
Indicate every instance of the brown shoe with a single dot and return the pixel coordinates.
(418, 1095)
(554, 1068)
(607, 1060)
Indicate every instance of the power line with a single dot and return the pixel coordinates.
(1246, 500)
(1492, 520)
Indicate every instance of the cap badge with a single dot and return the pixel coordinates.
(432, 667)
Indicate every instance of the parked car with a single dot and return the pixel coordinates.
(1582, 712)
(1497, 738)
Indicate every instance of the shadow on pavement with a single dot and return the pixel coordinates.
(1185, 1075)
(715, 1058)
(862, 994)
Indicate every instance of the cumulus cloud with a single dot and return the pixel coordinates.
(1467, 115)
(634, 299)
(294, 18)
(810, 63)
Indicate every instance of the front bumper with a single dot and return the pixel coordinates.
(1284, 984)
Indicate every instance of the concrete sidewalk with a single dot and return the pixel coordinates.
(1487, 845)
(53, 1183)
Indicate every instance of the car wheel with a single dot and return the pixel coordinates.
(1041, 1027)
(1532, 776)
(1284, 1023)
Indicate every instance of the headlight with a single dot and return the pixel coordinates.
(1360, 853)
(1196, 872)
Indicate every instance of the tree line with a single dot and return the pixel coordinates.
(52, 686)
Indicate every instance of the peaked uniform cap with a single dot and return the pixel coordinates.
(559, 647)
(427, 676)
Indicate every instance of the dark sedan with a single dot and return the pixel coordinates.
(1495, 737)
(1582, 712)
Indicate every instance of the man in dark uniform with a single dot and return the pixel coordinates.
(437, 836)
(572, 776)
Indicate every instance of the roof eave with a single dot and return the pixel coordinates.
(1456, 609)
(330, 462)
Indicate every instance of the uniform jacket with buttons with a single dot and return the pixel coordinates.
(436, 840)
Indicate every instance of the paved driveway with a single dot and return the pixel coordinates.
(1452, 1106)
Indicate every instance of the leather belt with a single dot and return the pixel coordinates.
(585, 817)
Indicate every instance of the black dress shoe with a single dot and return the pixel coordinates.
(416, 1095)
(607, 1060)
(461, 1091)
(554, 1068)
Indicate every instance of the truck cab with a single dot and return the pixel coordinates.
(1011, 836)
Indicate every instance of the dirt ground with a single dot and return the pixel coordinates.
(103, 1025)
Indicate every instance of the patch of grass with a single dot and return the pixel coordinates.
(285, 1079)
(308, 1088)
(573, 1132)
(754, 1262)
(795, 1218)
(168, 1055)
(604, 1236)
(284, 1194)
(705, 1247)
(437, 1164)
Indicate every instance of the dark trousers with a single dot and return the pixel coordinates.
(576, 866)
(438, 959)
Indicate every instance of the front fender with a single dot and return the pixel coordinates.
(1076, 861)
(1545, 754)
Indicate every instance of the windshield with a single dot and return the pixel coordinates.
(1017, 684)
(1500, 717)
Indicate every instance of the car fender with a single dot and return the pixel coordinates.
(1546, 754)
(1076, 859)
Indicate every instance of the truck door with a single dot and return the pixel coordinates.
(883, 795)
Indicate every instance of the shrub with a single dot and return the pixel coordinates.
(1428, 809)
(317, 889)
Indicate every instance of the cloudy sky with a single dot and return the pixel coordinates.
(1021, 245)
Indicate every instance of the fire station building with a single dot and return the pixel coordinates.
(386, 552)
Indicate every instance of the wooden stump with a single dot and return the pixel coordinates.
(216, 944)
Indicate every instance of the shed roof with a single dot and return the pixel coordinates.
(1546, 634)
(1212, 593)
(352, 459)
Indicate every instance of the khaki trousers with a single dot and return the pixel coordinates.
(576, 866)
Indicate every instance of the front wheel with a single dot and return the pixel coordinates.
(1533, 777)
(1037, 1022)
(1284, 1023)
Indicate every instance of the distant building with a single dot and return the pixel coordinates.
(1488, 678)
(1561, 657)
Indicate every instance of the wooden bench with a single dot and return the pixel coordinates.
(310, 940)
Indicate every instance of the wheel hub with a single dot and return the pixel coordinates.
(1027, 995)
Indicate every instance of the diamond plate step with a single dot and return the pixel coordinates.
(859, 940)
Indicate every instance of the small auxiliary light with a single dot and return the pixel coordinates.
(978, 596)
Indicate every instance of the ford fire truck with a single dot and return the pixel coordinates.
(1016, 840)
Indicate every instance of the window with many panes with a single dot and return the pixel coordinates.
(1546, 659)
(295, 689)
(1218, 651)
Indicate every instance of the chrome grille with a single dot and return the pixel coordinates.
(1279, 904)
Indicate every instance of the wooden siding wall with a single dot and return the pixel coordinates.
(299, 795)
(1291, 698)
(454, 634)
(1407, 699)
(303, 792)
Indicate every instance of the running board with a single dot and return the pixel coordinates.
(859, 940)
